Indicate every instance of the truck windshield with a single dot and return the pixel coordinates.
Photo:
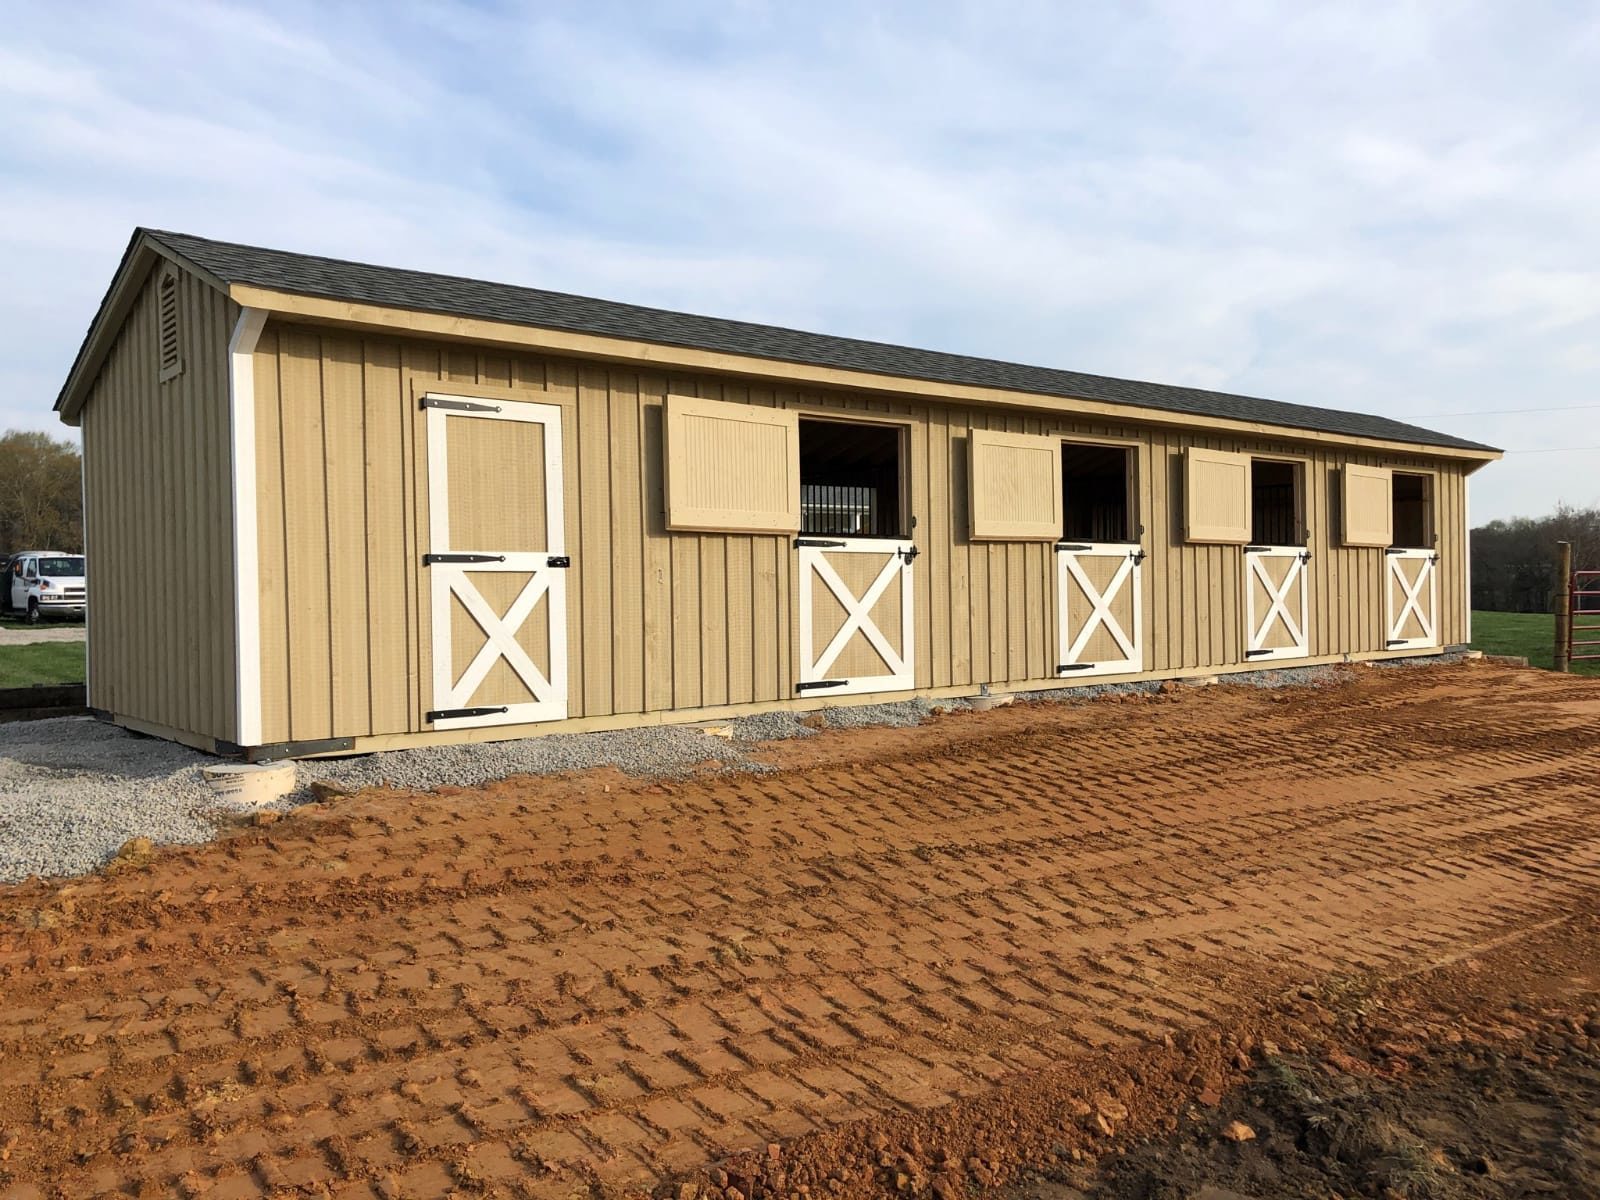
(61, 566)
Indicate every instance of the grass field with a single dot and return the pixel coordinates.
(1530, 634)
(41, 662)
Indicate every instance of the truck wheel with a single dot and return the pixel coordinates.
(33, 612)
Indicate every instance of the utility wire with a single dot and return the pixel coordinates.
(1506, 412)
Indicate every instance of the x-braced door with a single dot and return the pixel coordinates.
(496, 562)
(855, 615)
(1275, 601)
(1099, 608)
(1411, 599)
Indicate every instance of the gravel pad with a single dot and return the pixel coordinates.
(73, 790)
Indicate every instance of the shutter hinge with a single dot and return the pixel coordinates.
(451, 714)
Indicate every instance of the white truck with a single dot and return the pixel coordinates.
(46, 583)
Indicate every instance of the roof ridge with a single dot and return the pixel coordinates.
(461, 295)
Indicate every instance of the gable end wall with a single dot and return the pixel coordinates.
(159, 521)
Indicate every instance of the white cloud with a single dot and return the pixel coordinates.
(1375, 206)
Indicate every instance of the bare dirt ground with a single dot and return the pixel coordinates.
(916, 960)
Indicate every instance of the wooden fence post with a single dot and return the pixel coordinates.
(1563, 606)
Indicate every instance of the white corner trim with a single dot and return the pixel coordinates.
(1466, 515)
(246, 555)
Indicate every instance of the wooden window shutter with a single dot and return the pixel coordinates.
(1014, 486)
(1368, 506)
(171, 357)
(1216, 496)
(732, 467)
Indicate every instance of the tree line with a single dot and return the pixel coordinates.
(1514, 562)
(41, 493)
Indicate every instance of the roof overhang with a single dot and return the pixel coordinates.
(138, 260)
(373, 318)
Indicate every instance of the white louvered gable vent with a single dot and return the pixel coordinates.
(171, 358)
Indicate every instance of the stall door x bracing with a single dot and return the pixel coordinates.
(1099, 608)
(855, 616)
(1276, 602)
(1411, 599)
(496, 563)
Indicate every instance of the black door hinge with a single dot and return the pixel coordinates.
(451, 714)
(1070, 547)
(558, 560)
(457, 405)
(820, 683)
(1256, 653)
(1075, 667)
(1257, 549)
(818, 544)
(429, 559)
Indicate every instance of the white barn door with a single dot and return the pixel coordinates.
(855, 616)
(1276, 604)
(1411, 599)
(1099, 608)
(496, 562)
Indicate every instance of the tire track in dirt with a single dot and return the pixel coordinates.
(545, 982)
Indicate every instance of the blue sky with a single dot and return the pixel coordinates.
(1388, 207)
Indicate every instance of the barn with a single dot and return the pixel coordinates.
(334, 507)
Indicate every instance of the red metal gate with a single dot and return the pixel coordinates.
(1583, 616)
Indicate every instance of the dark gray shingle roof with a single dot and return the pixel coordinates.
(338, 280)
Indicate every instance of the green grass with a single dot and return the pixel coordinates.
(41, 662)
(1529, 634)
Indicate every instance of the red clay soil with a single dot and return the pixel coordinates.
(906, 960)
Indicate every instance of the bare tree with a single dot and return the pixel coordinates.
(41, 493)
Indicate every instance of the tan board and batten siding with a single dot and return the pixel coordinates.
(158, 519)
(661, 620)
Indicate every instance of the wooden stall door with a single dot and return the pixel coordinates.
(855, 615)
(1411, 599)
(496, 562)
(1099, 608)
(1276, 602)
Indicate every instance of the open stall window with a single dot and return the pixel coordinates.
(1097, 493)
(1412, 497)
(1277, 508)
(850, 479)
